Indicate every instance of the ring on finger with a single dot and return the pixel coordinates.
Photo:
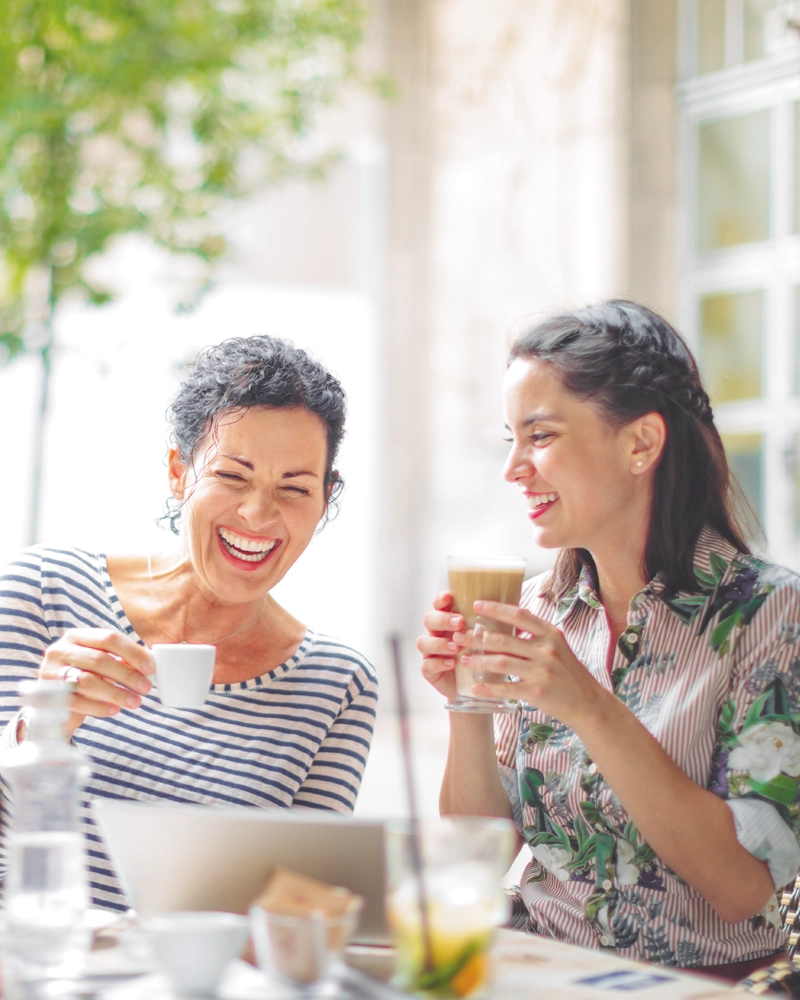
(70, 674)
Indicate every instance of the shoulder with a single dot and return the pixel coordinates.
(57, 577)
(53, 560)
(766, 599)
(326, 651)
(42, 562)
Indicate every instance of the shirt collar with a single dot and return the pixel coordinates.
(709, 543)
(584, 590)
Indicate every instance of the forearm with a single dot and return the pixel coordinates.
(471, 785)
(689, 828)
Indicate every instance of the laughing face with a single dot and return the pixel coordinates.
(253, 496)
(572, 466)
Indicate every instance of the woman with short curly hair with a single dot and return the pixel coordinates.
(288, 721)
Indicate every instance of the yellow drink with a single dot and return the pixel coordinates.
(460, 936)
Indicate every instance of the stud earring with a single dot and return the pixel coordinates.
(639, 464)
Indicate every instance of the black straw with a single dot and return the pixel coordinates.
(416, 846)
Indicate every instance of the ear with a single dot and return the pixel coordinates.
(648, 437)
(328, 493)
(177, 473)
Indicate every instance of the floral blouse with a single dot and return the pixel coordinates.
(715, 677)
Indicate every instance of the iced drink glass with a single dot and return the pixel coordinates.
(482, 579)
(463, 861)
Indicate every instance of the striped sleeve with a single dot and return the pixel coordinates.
(24, 635)
(334, 778)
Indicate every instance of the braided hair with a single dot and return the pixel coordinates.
(628, 361)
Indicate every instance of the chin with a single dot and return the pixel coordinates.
(546, 539)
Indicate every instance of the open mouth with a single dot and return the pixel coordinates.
(246, 549)
(539, 503)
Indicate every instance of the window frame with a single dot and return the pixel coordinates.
(771, 83)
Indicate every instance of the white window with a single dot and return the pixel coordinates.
(739, 240)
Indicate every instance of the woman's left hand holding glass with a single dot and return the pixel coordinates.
(551, 678)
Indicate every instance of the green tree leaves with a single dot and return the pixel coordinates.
(119, 116)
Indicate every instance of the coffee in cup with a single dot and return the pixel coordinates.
(482, 579)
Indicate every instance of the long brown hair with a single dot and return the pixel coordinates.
(628, 361)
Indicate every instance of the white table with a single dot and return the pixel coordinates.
(526, 968)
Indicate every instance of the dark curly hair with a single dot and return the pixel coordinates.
(255, 371)
(628, 361)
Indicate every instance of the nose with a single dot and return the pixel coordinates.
(259, 509)
(518, 465)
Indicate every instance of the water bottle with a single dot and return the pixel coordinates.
(46, 893)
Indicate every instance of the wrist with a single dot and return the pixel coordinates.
(596, 714)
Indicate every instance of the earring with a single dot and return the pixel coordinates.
(639, 464)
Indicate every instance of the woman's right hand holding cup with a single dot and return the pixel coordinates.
(440, 646)
(108, 672)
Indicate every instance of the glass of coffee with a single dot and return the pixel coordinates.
(482, 579)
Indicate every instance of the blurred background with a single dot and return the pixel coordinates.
(392, 188)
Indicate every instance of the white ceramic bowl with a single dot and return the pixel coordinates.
(193, 948)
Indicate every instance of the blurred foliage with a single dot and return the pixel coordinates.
(119, 116)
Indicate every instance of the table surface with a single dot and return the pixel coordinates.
(525, 967)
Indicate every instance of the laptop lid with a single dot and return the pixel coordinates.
(189, 857)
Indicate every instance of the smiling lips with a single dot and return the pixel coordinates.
(247, 549)
(538, 503)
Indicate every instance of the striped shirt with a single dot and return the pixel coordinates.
(714, 675)
(296, 736)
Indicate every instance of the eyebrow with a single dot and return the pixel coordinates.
(286, 475)
(540, 417)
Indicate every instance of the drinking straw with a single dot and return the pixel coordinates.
(416, 844)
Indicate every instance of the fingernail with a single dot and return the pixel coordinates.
(449, 663)
(455, 621)
(465, 658)
(144, 686)
(452, 646)
(459, 637)
(133, 701)
(113, 709)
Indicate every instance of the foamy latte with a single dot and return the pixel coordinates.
(478, 579)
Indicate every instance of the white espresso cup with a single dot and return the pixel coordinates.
(194, 948)
(183, 673)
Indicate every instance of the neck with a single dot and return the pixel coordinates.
(195, 616)
(621, 574)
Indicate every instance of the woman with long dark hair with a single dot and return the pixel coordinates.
(653, 767)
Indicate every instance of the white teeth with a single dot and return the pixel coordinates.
(543, 498)
(238, 545)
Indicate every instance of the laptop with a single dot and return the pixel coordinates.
(190, 857)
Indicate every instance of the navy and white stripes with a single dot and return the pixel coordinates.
(297, 736)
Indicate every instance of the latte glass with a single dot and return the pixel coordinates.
(482, 579)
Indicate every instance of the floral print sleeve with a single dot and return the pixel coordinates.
(757, 754)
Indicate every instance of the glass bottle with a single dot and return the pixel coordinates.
(46, 893)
